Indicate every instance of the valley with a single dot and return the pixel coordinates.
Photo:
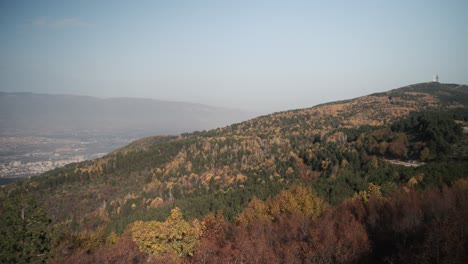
(40, 132)
(27, 155)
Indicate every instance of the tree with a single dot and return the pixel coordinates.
(212, 239)
(398, 147)
(256, 211)
(425, 154)
(24, 230)
(298, 200)
(174, 236)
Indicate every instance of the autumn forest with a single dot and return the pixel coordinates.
(376, 179)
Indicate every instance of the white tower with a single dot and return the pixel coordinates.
(435, 78)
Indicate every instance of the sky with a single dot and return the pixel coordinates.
(261, 56)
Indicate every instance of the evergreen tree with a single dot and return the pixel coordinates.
(24, 230)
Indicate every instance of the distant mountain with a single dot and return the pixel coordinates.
(45, 112)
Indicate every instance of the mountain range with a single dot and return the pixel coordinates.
(27, 112)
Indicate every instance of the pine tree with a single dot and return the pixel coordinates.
(24, 230)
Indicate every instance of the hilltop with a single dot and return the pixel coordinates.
(338, 150)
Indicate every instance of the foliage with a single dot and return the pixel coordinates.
(299, 201)
(24, 230)
(122, 252)
(175, 235)
(408, 226)
(437, 130)
(373, 192)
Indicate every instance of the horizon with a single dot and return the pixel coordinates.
(249, 55)
(258, 112)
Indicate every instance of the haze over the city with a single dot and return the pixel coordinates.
(256, 55)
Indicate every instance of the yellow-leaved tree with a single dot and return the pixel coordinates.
(174, 236)
(299, 201)
(373, 191)
(256, 211)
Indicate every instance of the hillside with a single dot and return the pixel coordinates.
(336, 151)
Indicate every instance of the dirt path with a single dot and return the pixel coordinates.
(409, 163)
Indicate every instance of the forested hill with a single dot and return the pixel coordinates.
(306, 163)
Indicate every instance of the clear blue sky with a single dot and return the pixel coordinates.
(260, 55)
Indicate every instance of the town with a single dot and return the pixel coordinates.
(18, 169)
(22, 156)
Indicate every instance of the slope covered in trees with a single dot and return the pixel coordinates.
(310, 185)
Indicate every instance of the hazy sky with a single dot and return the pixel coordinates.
(258, 55)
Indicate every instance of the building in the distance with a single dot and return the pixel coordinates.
(435, 78)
